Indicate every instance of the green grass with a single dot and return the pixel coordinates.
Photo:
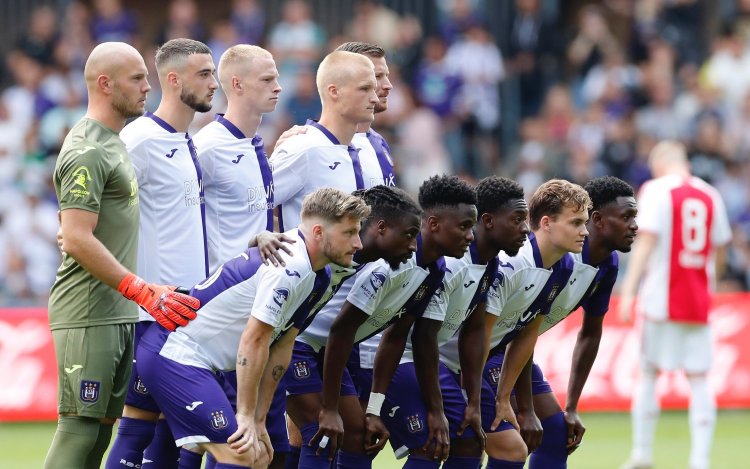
(606, 444)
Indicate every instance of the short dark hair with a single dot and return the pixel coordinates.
(179, 49)
(388, 203)
(494, 191)
(606, 189)
(364, 48)
(445, 191)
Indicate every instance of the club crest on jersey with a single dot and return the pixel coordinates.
(301, 370)
(139, 387)
(219, 420)
(90, 391)
(280, 295)
(414, 423)
(495, 375)
(553, 293)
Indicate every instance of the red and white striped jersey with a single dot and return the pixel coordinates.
(690, 221)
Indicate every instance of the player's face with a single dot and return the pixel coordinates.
(358, 97)
(341, 241)
(130, 87)
(198, 82)
(568, 230)
(452, 228)
(262, 84)
(618, 226)
(384, 86)
(397, 239)
(511, 226)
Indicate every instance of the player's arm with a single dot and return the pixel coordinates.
(426, 359)
(584, 354)
(472, 352)
(644, 246)
(169, 308)
(338, 348)
(517, 354)
(530, 427)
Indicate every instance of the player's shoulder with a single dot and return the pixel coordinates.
(704, 186)
(211, 136)
(311, 140)
(87, 137)
(139, 131)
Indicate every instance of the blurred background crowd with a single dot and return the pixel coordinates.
(530, 89)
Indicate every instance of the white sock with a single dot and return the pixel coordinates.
(645, 414)
(702, 416)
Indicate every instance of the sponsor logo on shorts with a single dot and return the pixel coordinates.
(73, 368)
(90, 391)
(494, 375)
(392, 413)
(301, 370)
(139, 387)
(219, 420)
(193, 405)
(414, 423)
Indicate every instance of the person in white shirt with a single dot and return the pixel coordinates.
(684, 230)
(248, 323)
(238, 183)
(171, 235)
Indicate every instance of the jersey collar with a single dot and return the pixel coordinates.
(161, 122)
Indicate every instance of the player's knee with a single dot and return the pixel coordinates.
(226, 455)
(506, 445)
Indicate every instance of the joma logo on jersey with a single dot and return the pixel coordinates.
(139, 387)
(414, 423)
(219, 420)
(90, 391)
(301, 370)
(280, 295)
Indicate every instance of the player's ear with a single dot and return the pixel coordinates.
(433, 223)
(318, 231)
(596, 219)
(104, 82)
(487, 220)
(382, 226)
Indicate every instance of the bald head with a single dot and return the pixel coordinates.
(668, 156)
(339, 68)
(237, 61)
(110, 59)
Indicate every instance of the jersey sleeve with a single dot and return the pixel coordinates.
(496, 293)
(721, 231)
(437, 307)
(369, 288)
(597, 304)
(652, 208)
(139, 155)
(289, 171)
(273, 297)
(82, 176)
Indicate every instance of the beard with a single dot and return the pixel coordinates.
(125, 108)
(191, 100)
(342, 259)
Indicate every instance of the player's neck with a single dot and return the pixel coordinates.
(175, 113)
(549, 252)
(429, 251)
(598, 252)
(485, 247)
(106, 117)
(342, 130)
(247, 122)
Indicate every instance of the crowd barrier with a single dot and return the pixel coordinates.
(28, 375)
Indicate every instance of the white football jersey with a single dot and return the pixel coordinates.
(238, 186)
(240, 288)
(315, 159)
(171, 235)
(690, 221)
(464, 287)
(375, 155)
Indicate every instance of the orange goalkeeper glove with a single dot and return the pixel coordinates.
(168, 307)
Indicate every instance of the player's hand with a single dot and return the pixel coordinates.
(575, 430)
(438, 437)
(245, 438)
(531, 429)
(473, 419)
(295, 130)
(269, 244)
(264, 439)
(504, 413)
(625, 308)
(376, 434)
(170, 308)
(330, 435)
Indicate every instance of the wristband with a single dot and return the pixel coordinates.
(375, 403)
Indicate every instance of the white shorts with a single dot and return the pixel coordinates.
(670, 346)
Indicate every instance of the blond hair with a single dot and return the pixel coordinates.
(337, 69)
(551, 198)
(236, 60)
(333, 205)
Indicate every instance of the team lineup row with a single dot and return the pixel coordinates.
(450, 282)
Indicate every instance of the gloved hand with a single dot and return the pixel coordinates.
(168, 307)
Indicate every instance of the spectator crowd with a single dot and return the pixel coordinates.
(584, 95)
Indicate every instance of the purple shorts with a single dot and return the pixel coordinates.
(138, 394)
(405, 414)
(305, 373)
(192, 399)
(494, 364)
(275, 421)
(362, 377)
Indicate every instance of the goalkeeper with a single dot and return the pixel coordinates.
(92, 324)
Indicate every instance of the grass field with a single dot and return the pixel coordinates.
(606, 444)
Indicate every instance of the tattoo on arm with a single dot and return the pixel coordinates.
(278, 372)
(241, 361)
